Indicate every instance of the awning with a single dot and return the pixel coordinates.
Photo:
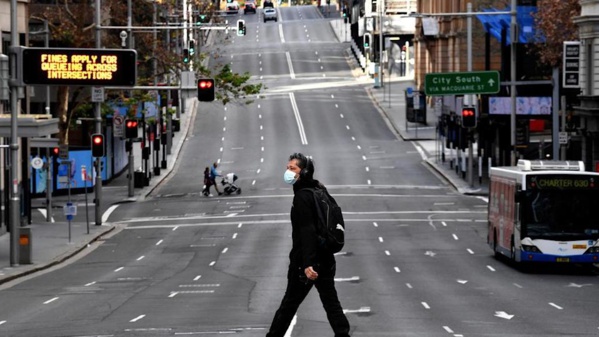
(494, 24)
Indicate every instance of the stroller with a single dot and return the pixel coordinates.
(229, 186)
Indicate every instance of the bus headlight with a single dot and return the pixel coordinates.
(531, 249)
(592, 250)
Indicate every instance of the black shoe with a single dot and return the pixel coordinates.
(220, 193)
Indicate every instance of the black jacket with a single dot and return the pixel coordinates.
(305, 251)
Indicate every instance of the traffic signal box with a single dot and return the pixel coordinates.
(185, 55)
(131, 128)
(97, 145)
(240, 27)
(206, 89)
(367, 41)
(469, 117)
(192, 47)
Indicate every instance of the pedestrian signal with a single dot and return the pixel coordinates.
(131, 128)
(206, 89)
(185, 55)
(192, 47)
(367, 40)
(469, 117)
(97, 145)
(240, 27)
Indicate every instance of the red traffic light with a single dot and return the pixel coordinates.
(98, 139)
(468, 112)
(131, 123)
(55, 151)
(469, 117)
(97, 145)
(205, 84)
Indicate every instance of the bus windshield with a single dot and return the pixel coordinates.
(560, 214)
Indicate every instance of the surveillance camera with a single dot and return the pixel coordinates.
(123, 34)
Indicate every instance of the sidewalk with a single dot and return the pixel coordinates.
(50, 243)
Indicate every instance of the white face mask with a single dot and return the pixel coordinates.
(289, 177)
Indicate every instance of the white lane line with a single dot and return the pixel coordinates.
(363, 157)
(90, 284)
(140, 258)
(444, 223)
(421, 151)
(409, 286)
(347, 279)
(291, 326)
(225, 250)
(455, 237)
(367, 169)
(175, 228)
(375, 224)
(291, 72)
(443, 203)
(381, 239)
(369, 182)
(137, 318)
(470, 251)
(448, 329)
(108, 212)
(159, 242)
(51, 300)
(197, 277)
(173, 294)
(240, 224)
(518, 286)
(234, 236)
(356, 311)
(2, 322)
(298, 119)
(555, 306)
(119, 269)
(490, 268)
(212, 263)
(387, 253)
(425, 305)
(397, 270)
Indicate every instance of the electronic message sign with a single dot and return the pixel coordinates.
(562, 182)
(67, 66)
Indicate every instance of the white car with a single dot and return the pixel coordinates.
(233, 7)
(269, 14)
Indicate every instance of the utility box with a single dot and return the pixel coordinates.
(25, 242)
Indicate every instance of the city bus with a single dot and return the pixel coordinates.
(544, 211)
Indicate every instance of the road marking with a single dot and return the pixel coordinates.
(51, 300)
(298, 119)
(175, 228)
(234, 236)
(119, 269)
(348, 279)
(380, 239)
(159, 242)
(397, 270)
(140, 258)
(2, 322)
(347, 127)
(240, 224)
(470, 251)
(425, 305)
(357, 311)
(290, 65)
(291, 326)
(108, 213)
(387, 253)
(212, 263)
(225, 250)
(137, 318)
(173, 294)
(455, 237)
(197, 277)
(409, 286)
(503, 314)
(448, 329)
(444, 223)
(214, 285)
(375, 224)
(490, 268)
(555, 306)
(90, 284)
(367, 169)
(462, 281)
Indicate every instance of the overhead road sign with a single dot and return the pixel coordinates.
(474, 82)
(78, 66)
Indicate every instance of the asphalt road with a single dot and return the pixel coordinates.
(415, 263)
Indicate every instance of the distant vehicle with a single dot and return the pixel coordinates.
(270, 14)
(544, 211)
(250, 7)
(233, 8)
(268, 4)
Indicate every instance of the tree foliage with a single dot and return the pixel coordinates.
(554, 25)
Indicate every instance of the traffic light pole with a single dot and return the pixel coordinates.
(13, 187)
(98, 128)
(470, 146)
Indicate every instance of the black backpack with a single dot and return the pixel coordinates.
(329, 225)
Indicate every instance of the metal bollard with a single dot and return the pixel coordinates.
(25, 245)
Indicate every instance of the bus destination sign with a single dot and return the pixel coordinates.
(562, 182)
(68, 66)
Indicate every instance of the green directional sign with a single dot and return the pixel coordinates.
(474, 82)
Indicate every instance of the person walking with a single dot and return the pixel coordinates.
(207, 182)
(213, 174)
(309, 265)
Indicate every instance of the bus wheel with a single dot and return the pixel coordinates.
(497, 254)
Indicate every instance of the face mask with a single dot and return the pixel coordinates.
(289, 177)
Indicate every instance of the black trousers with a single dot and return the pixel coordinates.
(296, 292)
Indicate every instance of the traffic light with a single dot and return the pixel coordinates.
(469, 117)
(201, 18)
(192, 47)
(55, 151)
(185, 55)
(206, 89)
(344, 12)
(367, 40)
(97, 145)
(240, 27)
(131, 128)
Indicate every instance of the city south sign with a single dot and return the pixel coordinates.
(475, 82)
